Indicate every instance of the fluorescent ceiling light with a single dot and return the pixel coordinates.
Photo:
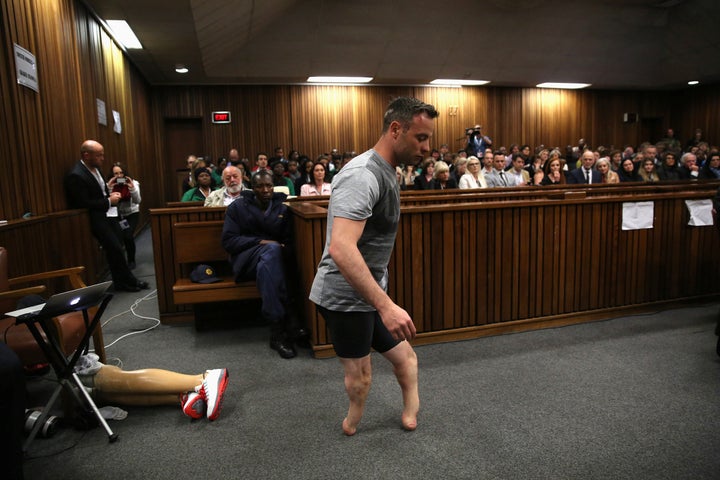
(339, 79)
(693, 82)
(454, 82)
(562, 85)
(123, 33)
(180, 68)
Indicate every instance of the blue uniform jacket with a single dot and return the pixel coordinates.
(246, 225)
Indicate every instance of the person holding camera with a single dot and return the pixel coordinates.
(85, 188)
(128, 208)
(477, 143)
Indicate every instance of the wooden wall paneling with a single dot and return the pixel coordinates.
(445, 281)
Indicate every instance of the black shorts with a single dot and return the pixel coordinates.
(353, 333)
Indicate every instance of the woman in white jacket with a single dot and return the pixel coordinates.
(128, 208)
(474, 177)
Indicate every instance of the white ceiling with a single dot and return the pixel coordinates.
(618, 44)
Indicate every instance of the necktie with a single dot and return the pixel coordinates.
(502, 177)
(587, 175)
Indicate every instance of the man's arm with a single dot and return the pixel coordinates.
(346, 255)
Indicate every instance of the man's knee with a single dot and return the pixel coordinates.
(358, 375)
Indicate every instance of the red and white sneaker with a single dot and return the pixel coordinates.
(212, 390)
(193, 405)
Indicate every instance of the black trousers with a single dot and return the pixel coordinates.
(108, 234)
(12, 413)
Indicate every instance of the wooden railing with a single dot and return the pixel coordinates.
(490, 265)
(504, 261)
(51, 242)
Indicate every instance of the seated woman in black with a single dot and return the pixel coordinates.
(668, 169)
(627, 172)
(441, 178)
(422, 181)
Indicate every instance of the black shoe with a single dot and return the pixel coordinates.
(283, 347)
(142, 285)
(300, 337)
(121, 287)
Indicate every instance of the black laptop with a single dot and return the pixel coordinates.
(61, 303)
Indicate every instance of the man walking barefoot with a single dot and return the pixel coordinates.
(351, 282)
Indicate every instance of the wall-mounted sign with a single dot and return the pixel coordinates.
(220, 117)
(101, 111)
(25, 68)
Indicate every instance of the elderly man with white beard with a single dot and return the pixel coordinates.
(232, 180)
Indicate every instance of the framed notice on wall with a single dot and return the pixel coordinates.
(25, 68)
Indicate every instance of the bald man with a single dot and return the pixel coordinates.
(85, 188)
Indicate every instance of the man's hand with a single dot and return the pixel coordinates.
(114, 198)
(398, 322)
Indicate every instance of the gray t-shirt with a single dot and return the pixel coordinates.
(365, 189)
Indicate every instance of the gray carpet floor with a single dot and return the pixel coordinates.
(634, 397)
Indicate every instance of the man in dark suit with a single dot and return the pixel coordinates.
(585, 174)
(85, 187)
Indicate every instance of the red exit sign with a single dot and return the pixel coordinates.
(221, 117)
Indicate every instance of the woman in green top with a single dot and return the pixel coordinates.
(204, 185)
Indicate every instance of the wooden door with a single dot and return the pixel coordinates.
(183, 137)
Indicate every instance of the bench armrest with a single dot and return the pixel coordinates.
(73, 274)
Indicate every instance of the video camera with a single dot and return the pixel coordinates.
(473, 131)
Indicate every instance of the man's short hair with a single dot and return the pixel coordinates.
(261, 173)
(403, 109)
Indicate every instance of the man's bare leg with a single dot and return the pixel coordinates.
(405, 366)
(358, 376)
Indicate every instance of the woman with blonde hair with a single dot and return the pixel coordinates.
(474, 177)
(647, 172)
(441, 178)
(607, 174)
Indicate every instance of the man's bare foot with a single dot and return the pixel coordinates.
(409, 422)
(347, 429)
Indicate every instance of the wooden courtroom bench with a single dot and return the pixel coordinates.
(197, 243)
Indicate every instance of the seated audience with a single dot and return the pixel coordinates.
(292, 169)
(305, 171)
(487, 163)
(616, 158)
(189, 181)
(459, 168)
(261, 162)
(554, 173)
(204, 185)
(279, 178)
(627, 172)
(606, 173)
(409, 177)
(518, 170)
(319, 186)
(422, 181)
(474, 177)
(689, 170)
(668, 169)
(537, 165)
(441, 178)
(585, 174)
(499, 177)
(232, 186)
(711, 169)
